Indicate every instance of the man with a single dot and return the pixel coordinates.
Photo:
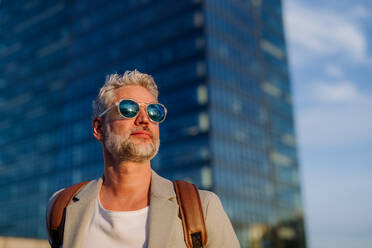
(132, 206)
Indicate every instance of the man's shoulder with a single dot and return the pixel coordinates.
(210, 202)
(87, 184)
(86, 188)
(207, 196)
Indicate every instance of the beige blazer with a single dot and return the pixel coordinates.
(165, 226)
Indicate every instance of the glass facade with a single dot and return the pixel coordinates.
(221, 67)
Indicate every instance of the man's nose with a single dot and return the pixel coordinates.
(142, 117)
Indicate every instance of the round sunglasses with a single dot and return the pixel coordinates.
(129, 108)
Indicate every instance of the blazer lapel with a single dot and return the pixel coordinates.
(79, 213)
(163, 212)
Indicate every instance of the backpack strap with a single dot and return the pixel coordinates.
(57, 212)
(191, 213)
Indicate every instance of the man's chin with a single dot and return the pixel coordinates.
(144, 150)
(141, 155)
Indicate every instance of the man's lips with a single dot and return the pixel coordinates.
(142, 134)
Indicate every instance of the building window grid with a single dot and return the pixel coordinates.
(273, 22)
(235, 25)
(234, 180)
(234, 56)
(274, 38)
(27, 53)
(246, 157)
(218, 29)
(226, 74)
(145, 59)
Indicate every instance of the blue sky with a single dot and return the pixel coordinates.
(330, 55)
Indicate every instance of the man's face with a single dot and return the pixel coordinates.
(135, 139)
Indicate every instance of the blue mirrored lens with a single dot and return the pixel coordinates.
(128, 108)
(156, 112)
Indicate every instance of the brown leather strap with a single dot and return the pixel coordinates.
(57, 211)
(191, 213)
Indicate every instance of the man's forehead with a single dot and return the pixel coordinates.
(135, 92)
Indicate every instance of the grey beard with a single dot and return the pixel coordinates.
(123, 149)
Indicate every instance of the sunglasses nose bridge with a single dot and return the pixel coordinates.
(142, 115)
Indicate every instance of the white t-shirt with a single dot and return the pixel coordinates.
(114, 229)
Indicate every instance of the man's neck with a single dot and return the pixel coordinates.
(126, 186)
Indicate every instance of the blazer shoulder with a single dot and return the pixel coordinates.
(86, 187)
(208, 197)
(90, 186)
(220, 230)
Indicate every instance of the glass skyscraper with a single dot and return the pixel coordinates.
(221, 67)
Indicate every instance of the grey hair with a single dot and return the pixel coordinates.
(106, 95)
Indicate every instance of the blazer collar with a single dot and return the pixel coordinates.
(161, 187)
(162, 216)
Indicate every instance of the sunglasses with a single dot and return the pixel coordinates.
(128, 109)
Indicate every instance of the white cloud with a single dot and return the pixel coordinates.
(333, 70)
(340, 92)
(338, 114)
(335, 127)
(360, 11)
(319, 32)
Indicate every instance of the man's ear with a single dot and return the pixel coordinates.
(98, 132)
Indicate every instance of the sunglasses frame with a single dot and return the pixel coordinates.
(139, 104)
